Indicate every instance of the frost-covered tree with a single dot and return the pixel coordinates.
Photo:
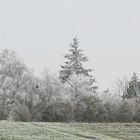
(74, 64)
(133, 89)
(134, 86)
(78, 86)
(125, 112)
(13, 80)
(129, 88)
(49, 93)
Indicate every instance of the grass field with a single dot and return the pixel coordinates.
(69, 131)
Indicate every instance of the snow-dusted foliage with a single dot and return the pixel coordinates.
(74, 65)
(129, 88)
(78, 85)
(25, 97)
(13, 79)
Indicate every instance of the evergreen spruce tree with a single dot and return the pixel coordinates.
(74, 64)
(134, 87)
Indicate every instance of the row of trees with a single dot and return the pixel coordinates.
(72, 96)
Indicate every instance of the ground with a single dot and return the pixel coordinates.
(69, 131)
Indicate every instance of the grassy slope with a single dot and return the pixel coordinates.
(68, 131)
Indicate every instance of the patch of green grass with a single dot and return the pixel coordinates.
(69, 131)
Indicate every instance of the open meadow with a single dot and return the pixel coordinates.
(69, 131)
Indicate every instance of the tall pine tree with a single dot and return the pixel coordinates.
(74, 64)
(134, 87)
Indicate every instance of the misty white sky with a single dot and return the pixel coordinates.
(41, 31)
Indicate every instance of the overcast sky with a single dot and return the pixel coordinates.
(41, 31)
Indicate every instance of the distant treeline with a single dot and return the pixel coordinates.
(72, 96)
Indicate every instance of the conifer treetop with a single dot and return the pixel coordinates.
(74, 62)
